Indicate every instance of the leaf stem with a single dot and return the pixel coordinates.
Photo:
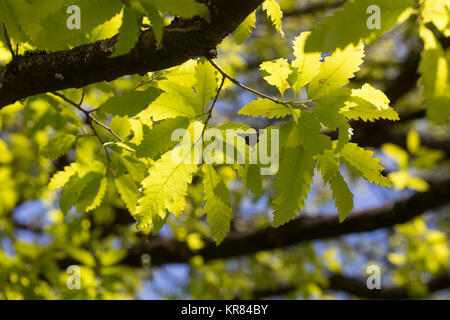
(91, 119)
(237, 83)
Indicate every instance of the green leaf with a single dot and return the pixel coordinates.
(362, 163)
(306, 64)
(128, 191)
(130, 103)
(350, 24)
(93, 14)
(275, 14)
(128, 32)
(217, 203)
(336, 70)
(73, 190)
(342, 196)
(245, 29)
(435, 69)
(206, 76)
(368, 113)
(81, 255)
(58, 146)
(251, 177)
(176, 101)
(93, 193)
(437, 12)
(155, 18)
(328, 165)
(165, 188)
(60, 178)
(398, 154)
(292, 184)
(90, 156)
(369, 104)
(266, 108)
(158, 140)
(307, 132)
(276, 73)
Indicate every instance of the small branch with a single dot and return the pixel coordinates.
(88, 114)
(8, 41)
(236, 82)
(213, 105)
(91, 120)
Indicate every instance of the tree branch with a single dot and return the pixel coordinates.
(303, 229)
(91, 63)
(357, 287)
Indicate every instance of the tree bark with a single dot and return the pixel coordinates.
(183, 40)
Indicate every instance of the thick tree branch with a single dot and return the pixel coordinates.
(163, 251)
(91, 63)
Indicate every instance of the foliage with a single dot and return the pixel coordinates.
(111, 155)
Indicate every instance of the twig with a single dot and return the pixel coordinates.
(89, 115)
(213, 105)
(91, 119)
(8, 41)
(236, 82)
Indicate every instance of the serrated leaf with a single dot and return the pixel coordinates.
(158, 140)
(368, 113)
(328, 165)
(130, 103)
(93, 193)
(292, 184)
(342, 196)
(306, 64)
(275, 14)
(128, 32)
(165, 188)
(350, 24)
(171, 105)
(307, 132)
(251, 177)
(336, 70)
(58, 146)
(128, 191)
(155, 18)
(93, 14)
(89, 156)
(368, 104)
(245, 29)
(276, 73)
(73, 190)
(364, 164)
(217, 203)
(265, 108)
(435, 77)
(206, 76)
(60, 178)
